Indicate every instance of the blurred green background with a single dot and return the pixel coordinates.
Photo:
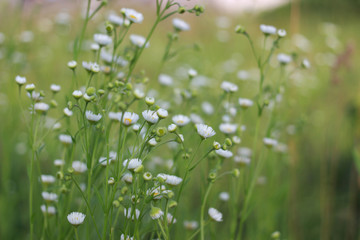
(315, 194)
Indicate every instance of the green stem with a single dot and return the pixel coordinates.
(203, 205)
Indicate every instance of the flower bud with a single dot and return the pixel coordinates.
(101, 92)
(111, 181)
(236, 172)
(212, 176)
(53, 103)
(116, 204)
(240, 29)
(181, 10)
(139, 169)
(147, 176)
(216, 145)
(160, 131)
(149, 101)
(90, 91)
(228, 142)
(172, 203)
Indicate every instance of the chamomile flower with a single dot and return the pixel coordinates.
(150, 116)
(76, 218)
(229, 86)
(228, 128)
(128, 214)
(207, 108)
(20, 80)
(102, 39)
(181, 120)
(59, 162)
(224, 196)
(268, 29)
(224, 153)
(77, 94)
(156, 213)
(130, 118)
(79, 167)
(55, 88)
(49, 210)
(132, 15)
(138, 41)
(306, 63)
(196, 118)
(170, 218)
(269, 142)
(152, 142)
(128, 178)
(68, 112)
(72, 64)
(49, 197)
(122, 237)
(115, 116)
(116, 20)
(132, 163)
(173, 180)
(284, 58)
(41, 107)
(92, 117)
(172, 128)
(205, 131)
(191, 225)
(281, 33)
(162, 113)
(215, 215)
(165, 80)
(180, 25)
(245, 103)
(242, 160)
(47, 179)
(65, 139)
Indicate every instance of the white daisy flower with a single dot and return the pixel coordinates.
(41, 107)
(268, 29)
(30, 87)
(92, 117)
(65, 139)
(150, 116)
(49, 210)
(79, 167)
(284, 58)
(245, 103)
(191, 225)
(122, 237)
(47, 179)
(162, 113)
(269, 142)
(138, 93)
(102, 39)
(224, 153)
(76, 218)
(138, 41)
(306, 63)
(228, 86)
(170, 218)
(132, 15)
(242, 160)
(173, 180)
(228, 128)
(20, 80)
(130, 118)
(205, 131)
(281, 33)
(156, 213)
(215, 215)
(72, 64)
(133, 163)
(165, 80)
(196, 118)
(192, 73)
(136, 127)
(115, 116)
(180, 25)
(128, 178)
(49, 197)
(68, 112)
(116, 20)
(181, 120)
(59, 162)
(207, 108)
(55, 88)
(77, 94)
(127, 213)
(224, 196)
(152, 142)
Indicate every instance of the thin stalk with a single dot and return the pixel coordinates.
(202, 213)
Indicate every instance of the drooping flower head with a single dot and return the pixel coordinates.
(215, 215)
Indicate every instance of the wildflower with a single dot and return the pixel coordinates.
(20, 80)
(122, 237)
(268, 29)
(115, 116)
(150, 116)
(95, 47)
(180, 25)
(173, 180)
(59, 163)
(49, 210)
(216, 145)
(41, 107)
(180, 120)
(116, 20)
(229, 87)
(65, 139)
(162, 113)
(196, 118)
(170, 218)
(79, 167)
(127, 213)
(245, 103)
(68, 112)
(55, 88)
(139, 41)
(205, 131)
(149, 101)
(132, 163)
(224, 196)
(128, 178)
(91, 117)
(236, 139)
(47, 179)
(77, 94)
(207, 108)
(215, 215)
(76, 218)
(191, 225)
(276, 235)
(136, 127)
(192, 73)
(305, 63)
(269, 142)
(152, 142)
(130, 118)
(165, 80)
(242, 160)
(104, 161)
(132, 15)
(147, 176)
(49, 197)
(281, 33)
(102, 39)
(139, 94)
(172, 128)
(224, 153)
(72, 64)
(228, 128)
(284, 58)
(156, 213)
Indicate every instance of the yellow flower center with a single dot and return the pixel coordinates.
(127, 120)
